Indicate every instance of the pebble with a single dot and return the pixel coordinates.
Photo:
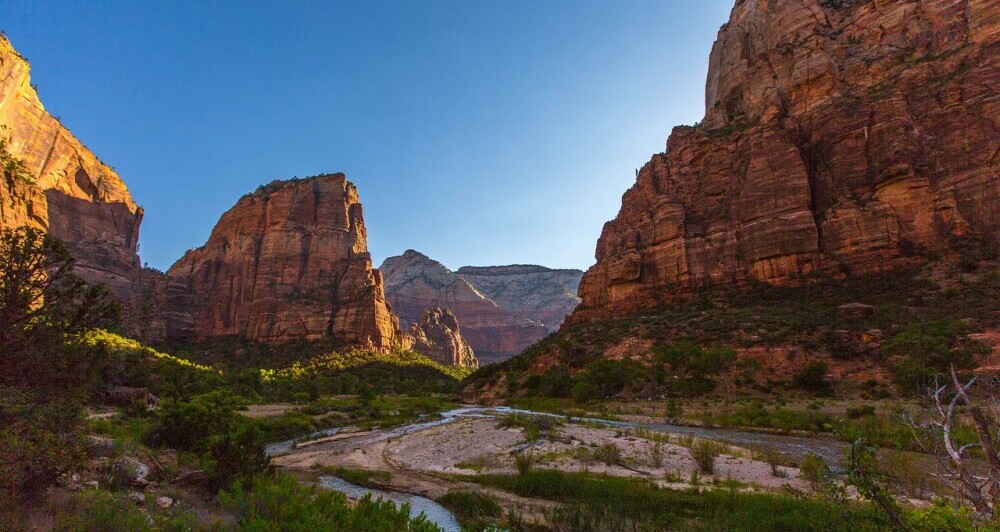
(164, 502)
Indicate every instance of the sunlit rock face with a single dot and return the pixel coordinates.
(841, 137)
(288, 262)
(415, 283)
(439, 336)
(541, 294)
(66, 191)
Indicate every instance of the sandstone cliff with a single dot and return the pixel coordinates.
(414, 283)
(537, 293)
(65, 189)
(840, 137)
(438, 336)
(288, 262)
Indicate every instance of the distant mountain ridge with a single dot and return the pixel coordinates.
(501, 309)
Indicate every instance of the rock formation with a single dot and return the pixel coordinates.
(438, 336)
(414, 283)
(64, 188)
(288, 262)
(840, 137)
(537, 293)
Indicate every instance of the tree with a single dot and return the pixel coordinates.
(936, 435)
(44, 311)
(44, 307)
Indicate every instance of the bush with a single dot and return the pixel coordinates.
(656, 454)
(608, 453)
(188, 425)
(813, 378)
(815, 471)
(39, 441)
(523, 462)
(924, 350)
(238, 454)
(704, 453)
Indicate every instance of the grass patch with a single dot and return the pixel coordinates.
(597, 502)
(475, 510)
(361, 477)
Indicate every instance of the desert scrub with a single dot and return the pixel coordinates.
(608, 453)
(524, 462)
(656, 454)
(772, 458)
(704, 453)
(815, 471)
(534, 426)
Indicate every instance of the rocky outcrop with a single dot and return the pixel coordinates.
(414, 283)
(438, 336)
(840, 138)
(62, 187)
(288, 262)
(536, 293)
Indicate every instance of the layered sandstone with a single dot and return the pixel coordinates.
(64, 189)
(537, 293)
(840, 137)
(415, 283)
(438, 336)
(288, 262)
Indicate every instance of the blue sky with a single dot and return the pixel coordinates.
(479, 133)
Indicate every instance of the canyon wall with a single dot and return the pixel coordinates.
(439, 336)
(540, 294)
(288, 262)
(63, 188)
(841, 137)
(415, 283)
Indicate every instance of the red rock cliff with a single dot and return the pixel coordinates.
(67, 190)
(841, 136)
(438, 336)
(288, 262)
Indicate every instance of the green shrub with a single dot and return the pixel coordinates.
(188, 425)
(704, 453)
(815, 471)
(608, 453)
(814, 378)
(924, 350)
(40, 441)
(523, 462)
(238, 454)
(858, 412)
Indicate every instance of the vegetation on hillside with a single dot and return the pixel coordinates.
(57, 356)
(917, 328)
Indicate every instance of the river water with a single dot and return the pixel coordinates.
(435, 513)
(795, 447)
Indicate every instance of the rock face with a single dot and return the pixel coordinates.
(288, 262)
(438, 336)
(536, 293)
(840, 137)
(414, 283)
(65, 189)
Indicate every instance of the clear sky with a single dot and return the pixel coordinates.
(478, 133)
